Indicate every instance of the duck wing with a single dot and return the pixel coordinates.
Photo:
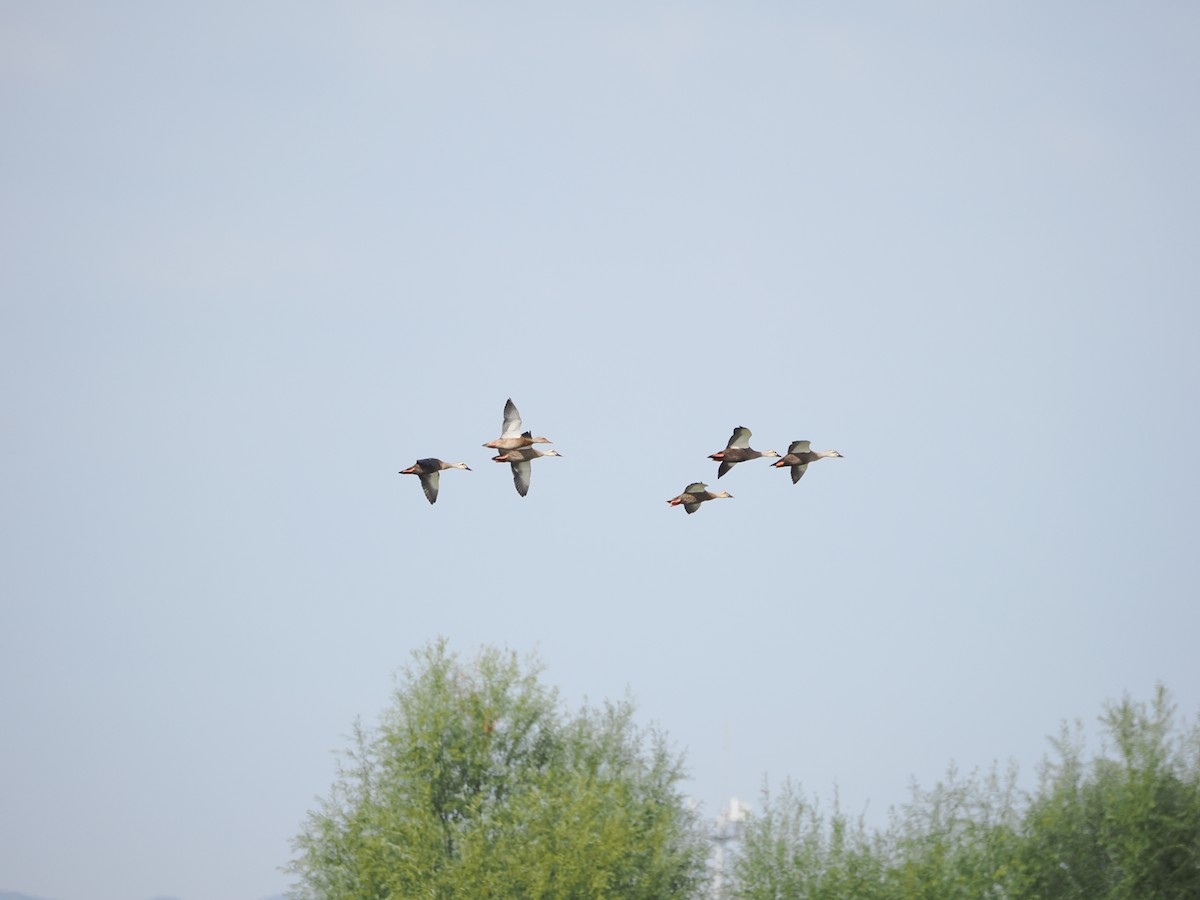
(691, 507)
(512, 420)
(798, 471)
(740, 439)
(521, 476)
(799, 447)
(724, 467)
(429, 483)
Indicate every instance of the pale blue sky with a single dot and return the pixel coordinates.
(259, 257)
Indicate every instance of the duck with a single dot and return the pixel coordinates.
(738, 450)
(696, 493)
(512, 438)
(520, 458)
(799, 455)
(428, 471)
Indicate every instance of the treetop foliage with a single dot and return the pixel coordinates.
(1122, 826)
(477, 784)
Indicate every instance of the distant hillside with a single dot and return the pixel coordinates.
(13, 895)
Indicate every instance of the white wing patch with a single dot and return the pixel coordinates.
(430, 484)
(521, 476)
(512, 420)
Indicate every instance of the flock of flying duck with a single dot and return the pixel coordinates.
(516, 448)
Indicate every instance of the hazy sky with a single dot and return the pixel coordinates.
(259, 257)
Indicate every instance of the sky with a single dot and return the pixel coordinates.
(257, 258)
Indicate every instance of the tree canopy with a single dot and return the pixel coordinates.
(476, 783)
(1124, 826)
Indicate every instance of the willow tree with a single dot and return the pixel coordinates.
(1125, 827)
(476, 783)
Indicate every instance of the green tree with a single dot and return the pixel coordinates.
(476, 784)
(1127, 827)
(1123, 826)
(953, 841)
(794, 850)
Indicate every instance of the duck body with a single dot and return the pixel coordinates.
(696, 493)
(738, 450)
(799, 455)
(429, 471)
(511, 436)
